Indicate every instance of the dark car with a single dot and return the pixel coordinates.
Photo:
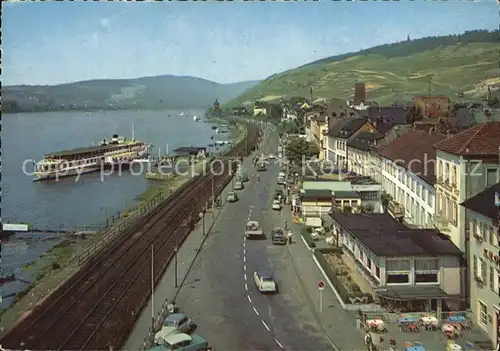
(278, 236)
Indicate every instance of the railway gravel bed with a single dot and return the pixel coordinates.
(98, 306)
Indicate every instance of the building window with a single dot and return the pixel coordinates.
(369, 264)
(377, 272)
(483, 314)
(492, 278)
(492, 237)
(426, 271)
(455, 214)
(422, 278)
(482, 269)
(474, 266)
(446, 174)
(440, 169)
(491, 177)
(398, 278)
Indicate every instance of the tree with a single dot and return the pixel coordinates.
(385, 200)
(299, 148)
(368, 208)
(414, 114)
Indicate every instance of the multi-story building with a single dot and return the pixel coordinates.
(419, 266)
(338, 136)
(466, 164)
(319, 127)
(484, 253)
(407, 168)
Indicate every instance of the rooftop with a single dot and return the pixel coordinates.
(348, 128)
(315, 193)
(189, 149)
(480, 140)
(484, 202)
(414, 150)
(385, 236)
(388, 114)
(346, 194)
(365, 141)
(331, 185)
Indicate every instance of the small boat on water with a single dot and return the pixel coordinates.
(117, 152)
(196, 118)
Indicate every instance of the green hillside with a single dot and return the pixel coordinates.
(457, 64)
(159, 92)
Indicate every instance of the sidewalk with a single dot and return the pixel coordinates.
(339, 325)
(166, 290)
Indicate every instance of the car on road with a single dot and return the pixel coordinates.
(184, 342)
(238, 186)
(264, 281)
(276, 205)
(173, 324)
(281, 181)
(232, 197)
(278, 236)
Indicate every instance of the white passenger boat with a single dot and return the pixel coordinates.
(118, 152)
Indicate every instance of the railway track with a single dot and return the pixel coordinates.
(98, 306)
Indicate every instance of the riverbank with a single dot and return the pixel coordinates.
(58, 264)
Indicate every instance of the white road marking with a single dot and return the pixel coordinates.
(256, 312)
(249, 298)
(246, 286)
(245, 276)
(244, 252)
(279, 344)
(244, 258)
(244, 242)
(245, 267)
(265, 325)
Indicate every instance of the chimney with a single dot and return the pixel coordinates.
(449, 134)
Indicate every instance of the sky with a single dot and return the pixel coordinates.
(47, 43)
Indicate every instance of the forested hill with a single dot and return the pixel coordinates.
(158, 92)
(456, 65)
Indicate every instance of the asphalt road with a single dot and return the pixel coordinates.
(219, 293)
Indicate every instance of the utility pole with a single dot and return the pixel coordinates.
(175, 266)
(152, 285)
(213, 197)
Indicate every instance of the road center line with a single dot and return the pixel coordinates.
(246, 286)
(245, 267)
(249, 298)
(279, 344)
(256, 312)
(265, 325)
(244, 258)
(244, 252)
(245, 276)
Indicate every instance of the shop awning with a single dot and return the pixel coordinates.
(412, 293)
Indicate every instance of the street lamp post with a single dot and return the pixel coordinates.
(213, 196)
(175, 266)
(152, 286)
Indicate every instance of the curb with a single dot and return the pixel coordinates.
(305, 242)
(329, 282)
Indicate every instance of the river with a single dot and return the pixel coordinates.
(93, 198)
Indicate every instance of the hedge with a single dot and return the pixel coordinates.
(306, 234)
(339, 286)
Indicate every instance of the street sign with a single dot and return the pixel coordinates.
(321, 285)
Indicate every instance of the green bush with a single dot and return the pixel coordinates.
(308, 238)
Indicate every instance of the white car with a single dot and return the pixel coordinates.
(276, 205)
(238, 186)
(264, 281)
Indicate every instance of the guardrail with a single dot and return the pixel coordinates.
(110, 234)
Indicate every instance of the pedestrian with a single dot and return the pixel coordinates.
(290, 235)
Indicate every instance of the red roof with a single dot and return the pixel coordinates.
(481, 140)
(414, 150)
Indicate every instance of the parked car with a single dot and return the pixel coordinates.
(281, 181)
(173, 324)
(278, 236)
(238, 186)
(264, 281)
(232, 197)
(184, 342)
(276, 205)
